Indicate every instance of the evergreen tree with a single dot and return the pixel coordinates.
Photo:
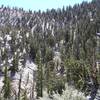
(7, 85)
(14, 67)
(39, 81)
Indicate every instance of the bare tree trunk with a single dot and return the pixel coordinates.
(33, 88)
(19, 86)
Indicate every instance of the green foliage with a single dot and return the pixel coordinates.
(76, 26)
(7, 85)
(4, 54)
(54, 83)
(77, 73)
(49, 55)
(51, 41)
(39, 77)
(33, 50)
(49, 77)
(14, 67)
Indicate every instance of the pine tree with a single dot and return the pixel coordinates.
(50, 77)
(39, 81)
(14, 67)
(7, 85)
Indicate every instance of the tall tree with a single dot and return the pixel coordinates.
(39, 81)
(7, 85)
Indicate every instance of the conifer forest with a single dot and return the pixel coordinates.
(52, 54)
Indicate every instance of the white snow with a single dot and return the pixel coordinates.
(7, 46)
(24, 51)
(10, 60)
(43, 26)
(98, 34)
(8, 37)
(97, 65)
(15, 53)
(27, 77)
(33, 28)
(3, 49)
(18, 50)
(91, 19)
(27, 35)
(88, 97)
(1, 39)
(62, 42)
(31, 65)
(1, 82)
(57, 53)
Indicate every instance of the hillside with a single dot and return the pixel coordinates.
(45, 54)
